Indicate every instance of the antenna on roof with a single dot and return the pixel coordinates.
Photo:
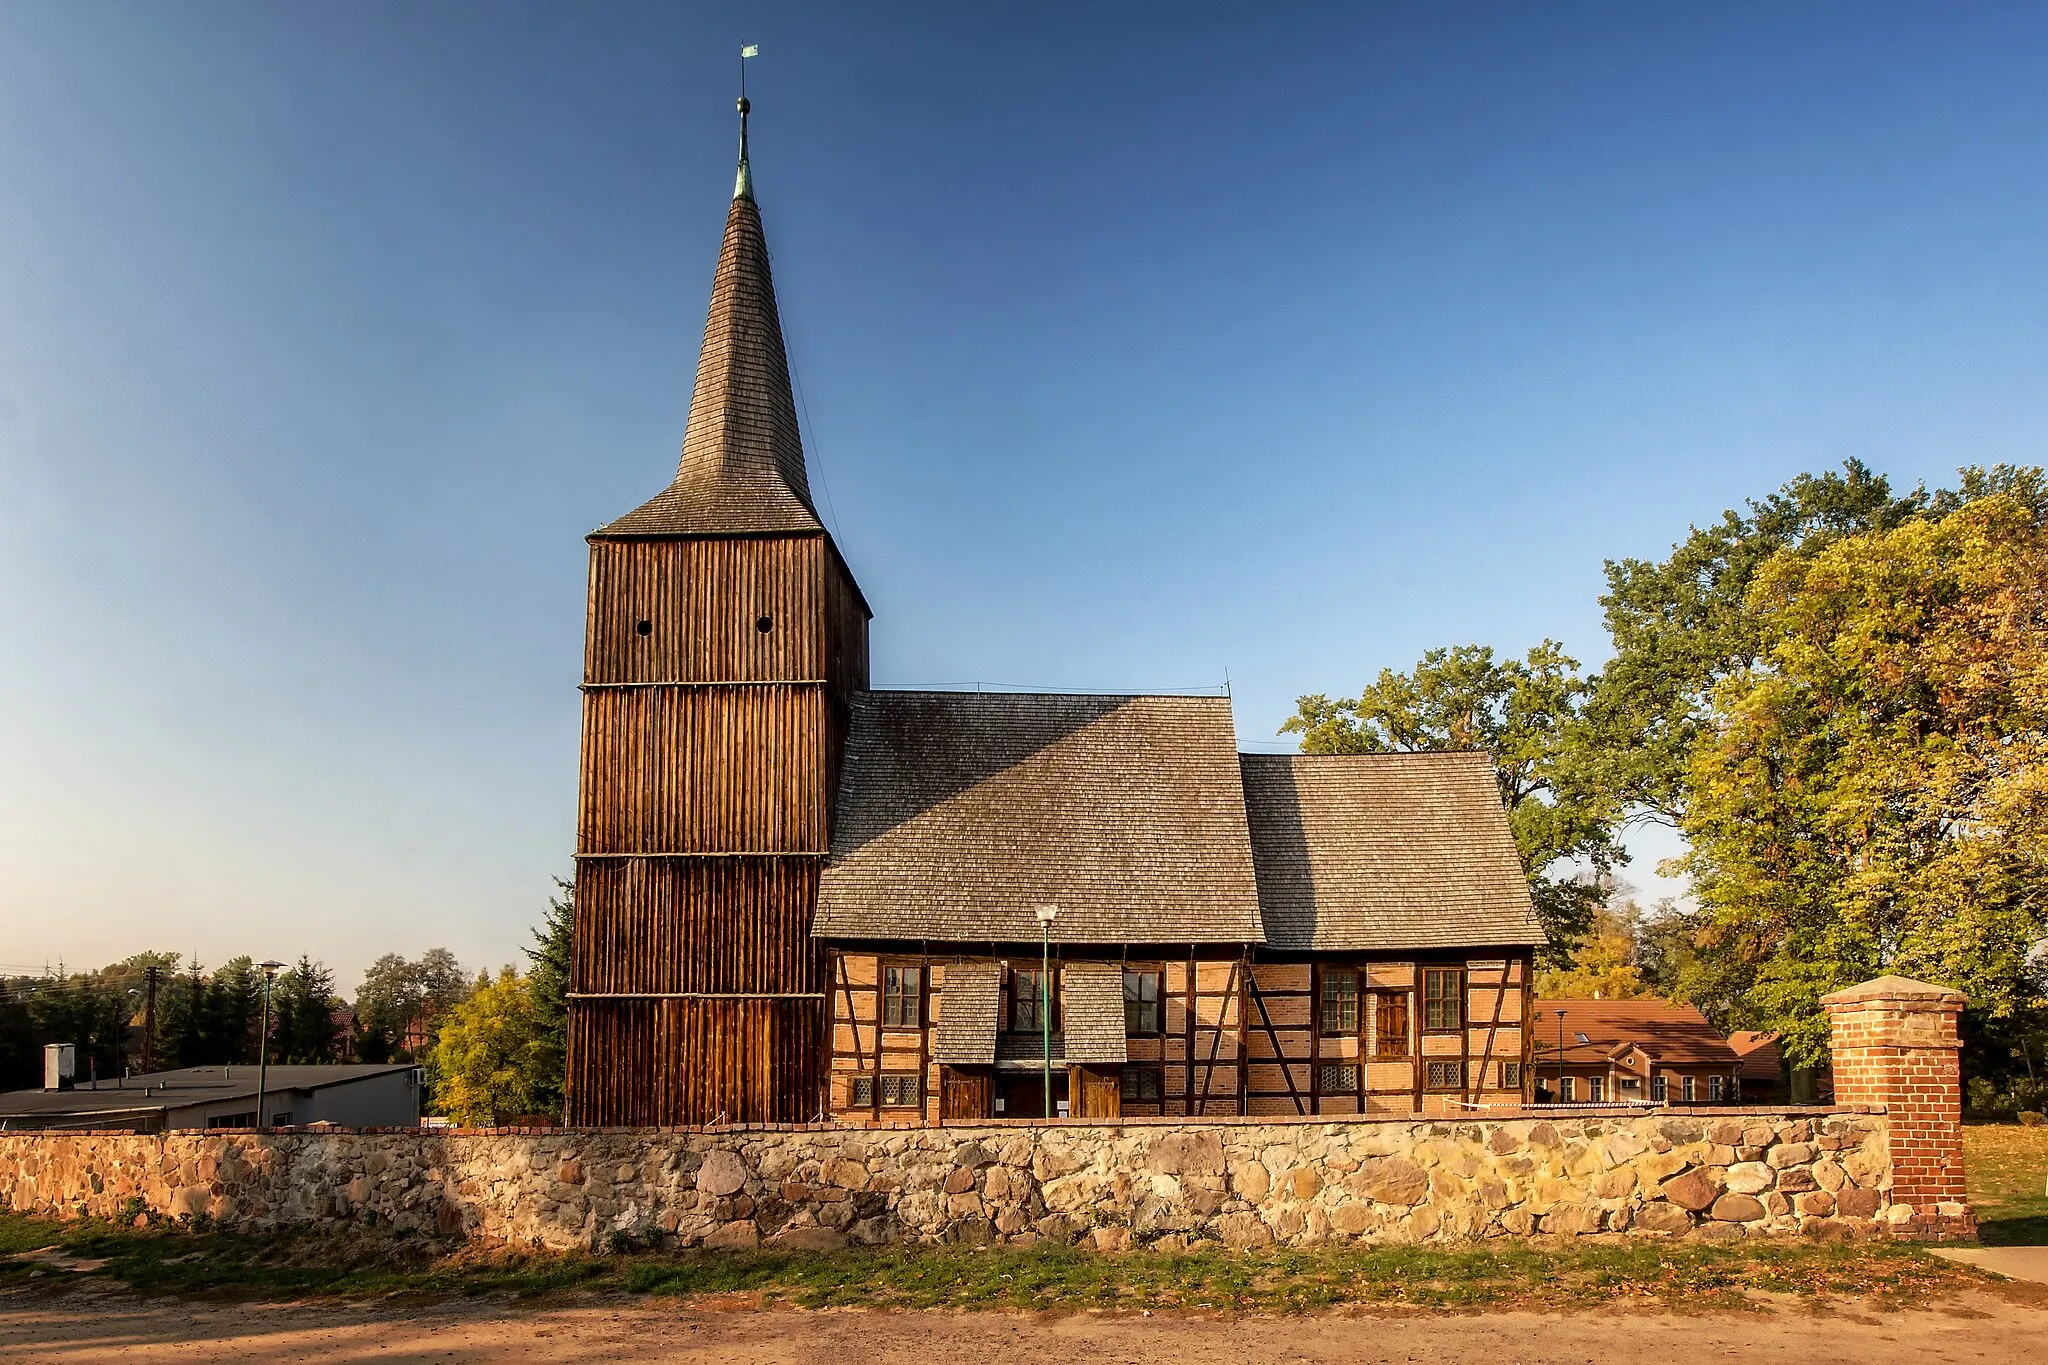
(743, 183)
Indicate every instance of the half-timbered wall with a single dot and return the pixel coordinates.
(715, 682)
(1237, 1038)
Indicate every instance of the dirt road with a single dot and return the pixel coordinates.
(92, 1326)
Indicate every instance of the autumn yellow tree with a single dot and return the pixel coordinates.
(485, 1062)
(1872, 795)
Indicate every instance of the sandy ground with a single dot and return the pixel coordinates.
(92, 1325)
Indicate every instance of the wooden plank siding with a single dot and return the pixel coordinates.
(1236, 1038)
(714, 712)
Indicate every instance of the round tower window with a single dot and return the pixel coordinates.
(644, 628)
(765, 624)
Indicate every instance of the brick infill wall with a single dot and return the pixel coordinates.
(1169, 1185)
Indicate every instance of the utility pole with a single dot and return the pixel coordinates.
(150, 975)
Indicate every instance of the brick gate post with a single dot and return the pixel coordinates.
(1896, 1048)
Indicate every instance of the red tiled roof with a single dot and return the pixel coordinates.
(1673, 1035)
(1761, 1060)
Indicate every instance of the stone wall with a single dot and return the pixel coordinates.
(1718, 1176)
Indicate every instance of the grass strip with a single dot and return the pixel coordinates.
(1510, 1274)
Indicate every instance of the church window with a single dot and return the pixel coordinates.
(1027, 1000)
(1141, 1083)
(1141, 1004)
(1442, 1006)
(900, 996)
(1340, 1000)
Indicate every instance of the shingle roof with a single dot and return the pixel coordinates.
(959, 813)
(1092, 1011)
(1673, 1035)
(1370, 852)
(970, 1002)
(742, 469)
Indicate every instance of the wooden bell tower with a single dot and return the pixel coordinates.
(725, 636)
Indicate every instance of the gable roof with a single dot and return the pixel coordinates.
(1672, 1035)
(742, 469)
(960, 813)
(1371, 852)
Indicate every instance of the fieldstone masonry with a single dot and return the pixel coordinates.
(1888, 1160)
(1159, 1183)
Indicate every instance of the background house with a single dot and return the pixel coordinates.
(1630, 1052)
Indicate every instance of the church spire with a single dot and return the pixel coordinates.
(742, 469)
(743, 183)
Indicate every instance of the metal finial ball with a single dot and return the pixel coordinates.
(744, 106)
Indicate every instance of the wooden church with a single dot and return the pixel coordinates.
(798, 897)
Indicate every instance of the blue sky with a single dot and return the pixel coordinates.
(1139, 345)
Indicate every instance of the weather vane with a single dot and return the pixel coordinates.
(743, 184)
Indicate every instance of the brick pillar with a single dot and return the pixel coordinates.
(1895, 1048)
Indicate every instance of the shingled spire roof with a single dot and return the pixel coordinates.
(742, 470)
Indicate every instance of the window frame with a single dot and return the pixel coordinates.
(1397, 1002)
(1660, 1089)
(1133, 1073)
(1687, 1086)
(1716, 1088)
(1456, 998)
(1332, 976)
(1045, 980)
(1567, 1090)
(1157, 1004)
(915, 1083)
(1596, 1090)
(1345, 1066)
(1509, 1077)
(855, 1084)
(914, 1000)
(1430, 1067)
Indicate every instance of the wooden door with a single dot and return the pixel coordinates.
(1098, 1092)
(964, 1094)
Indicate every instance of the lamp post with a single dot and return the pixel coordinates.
(1046, 915)
(263, 1043)
(1560, 1056)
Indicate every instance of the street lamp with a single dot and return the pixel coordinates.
(263, 1042)
(1560, 1056)
(1046, 915)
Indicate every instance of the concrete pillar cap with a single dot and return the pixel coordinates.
(1896, 988)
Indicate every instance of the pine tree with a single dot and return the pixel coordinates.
(548, 990)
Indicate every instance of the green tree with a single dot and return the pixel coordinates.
(484, 1067)
(1680, 626)
(1526, 713)
(181, 1039)
(302, 1013)
(1872, 795)
(548, 986)
(231, 1012)
(400, 999)
(83, 1009)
